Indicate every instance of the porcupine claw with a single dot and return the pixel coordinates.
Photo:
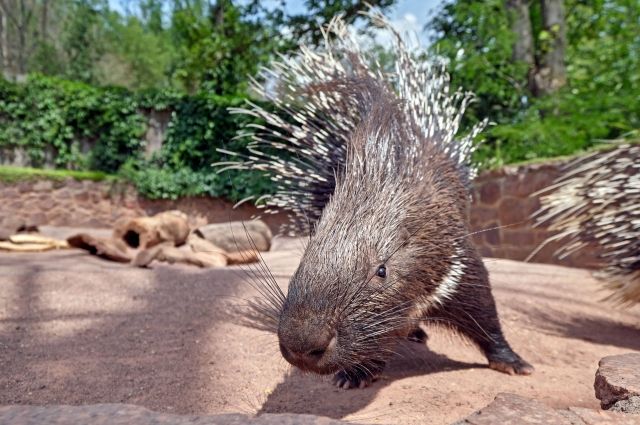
(513, 366)
(359, 377)
(346, 380)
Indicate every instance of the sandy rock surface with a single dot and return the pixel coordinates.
(512, 409)
(125, 414)
(78, 330)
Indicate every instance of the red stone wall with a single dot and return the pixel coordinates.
(502, 203)
(101, 204)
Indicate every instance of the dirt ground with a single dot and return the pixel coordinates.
(75, 329)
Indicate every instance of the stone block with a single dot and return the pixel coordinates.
(518, 237)
(490, 192)
(480, 216)
(58, 184)
(526, 182)
(512, 252)
(25, 186)
(15, 205)
(73, 184)
(82, 196)
(10, 193)
(514, 210)
(42, 186)
(492, 234)
(485, 251)
(37, 218)
(512, 409)
(618, 380)
(63, 193)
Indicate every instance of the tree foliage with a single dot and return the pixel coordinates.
(600, 101)
(188, 45)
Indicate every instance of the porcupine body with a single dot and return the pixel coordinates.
(597, 201)
(372, 170)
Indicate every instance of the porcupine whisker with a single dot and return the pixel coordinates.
(366, 294)
(256, 280)
(491, 228)
(363, 368)
(394, 309)
(265, 268)
(266, 306)
(264, 282)
(382, 317)
(259, 281)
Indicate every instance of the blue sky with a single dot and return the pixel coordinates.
(406, 15)
(418, 9)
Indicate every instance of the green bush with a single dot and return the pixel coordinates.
(155, 181)
(199, 125)
(565, 124)
(51, 117)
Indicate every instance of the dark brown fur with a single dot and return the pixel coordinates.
(403, 210)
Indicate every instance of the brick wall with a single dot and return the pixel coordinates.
(503, 202)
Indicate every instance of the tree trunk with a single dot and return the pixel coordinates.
(218, 13)
(22, 28)
(3, 41)
(44, 18)
(521, 27)
(551, 72)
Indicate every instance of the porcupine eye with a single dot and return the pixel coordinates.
(382, 271)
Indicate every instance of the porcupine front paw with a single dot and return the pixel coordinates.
(358, 378)
(509, 362)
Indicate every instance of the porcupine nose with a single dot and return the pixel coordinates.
(308, 351)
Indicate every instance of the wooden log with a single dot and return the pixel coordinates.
(237, 236)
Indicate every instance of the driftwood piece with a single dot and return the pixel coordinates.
(25, 242)
(146, 239)
(24, 247)
(198, 244)
(35, 239)
(111, 249)
(170, 254)
(145, 232)
(237, 236)
(242, 257)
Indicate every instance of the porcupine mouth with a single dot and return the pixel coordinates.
(325, 370)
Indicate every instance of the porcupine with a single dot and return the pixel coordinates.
(597, 201)
(372, 171)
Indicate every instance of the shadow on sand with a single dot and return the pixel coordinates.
(67, 338)
(292, 394)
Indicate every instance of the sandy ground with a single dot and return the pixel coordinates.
(78, 330)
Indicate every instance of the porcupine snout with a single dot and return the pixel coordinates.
(307, 341)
